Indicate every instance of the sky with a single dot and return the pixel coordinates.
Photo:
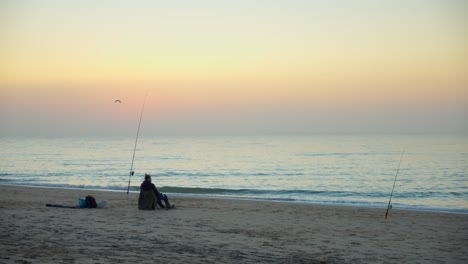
(210, 67)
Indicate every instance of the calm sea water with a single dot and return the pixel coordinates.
(345, 170)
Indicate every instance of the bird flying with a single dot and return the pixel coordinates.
(117, 101)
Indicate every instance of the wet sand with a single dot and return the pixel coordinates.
(219, 231)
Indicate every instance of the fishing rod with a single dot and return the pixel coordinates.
(136, 141)
(389, 206)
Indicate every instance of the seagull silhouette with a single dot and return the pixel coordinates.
(117, 101)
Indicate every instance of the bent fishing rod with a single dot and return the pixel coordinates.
(136, 141)
(389, 206)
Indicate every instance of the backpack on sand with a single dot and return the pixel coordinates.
(91, 202)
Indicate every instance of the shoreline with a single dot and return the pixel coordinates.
(211, 196)
(208, 230)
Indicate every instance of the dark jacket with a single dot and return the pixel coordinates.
(146, 185)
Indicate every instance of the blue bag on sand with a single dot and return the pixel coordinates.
(82, 202)
(163, 197)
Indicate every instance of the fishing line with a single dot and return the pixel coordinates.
(391, 194)
(136, 141)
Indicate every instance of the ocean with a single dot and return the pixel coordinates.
(341, 170)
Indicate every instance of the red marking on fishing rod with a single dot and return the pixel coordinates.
(389, 206)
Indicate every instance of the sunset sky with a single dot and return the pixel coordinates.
(211, 67)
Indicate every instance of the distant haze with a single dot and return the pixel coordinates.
(233, 67)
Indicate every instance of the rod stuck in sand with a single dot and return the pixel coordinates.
(391, 194)
(136, 141)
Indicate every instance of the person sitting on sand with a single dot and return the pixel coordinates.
(150, 196)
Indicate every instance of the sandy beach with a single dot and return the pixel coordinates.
(219, 231)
